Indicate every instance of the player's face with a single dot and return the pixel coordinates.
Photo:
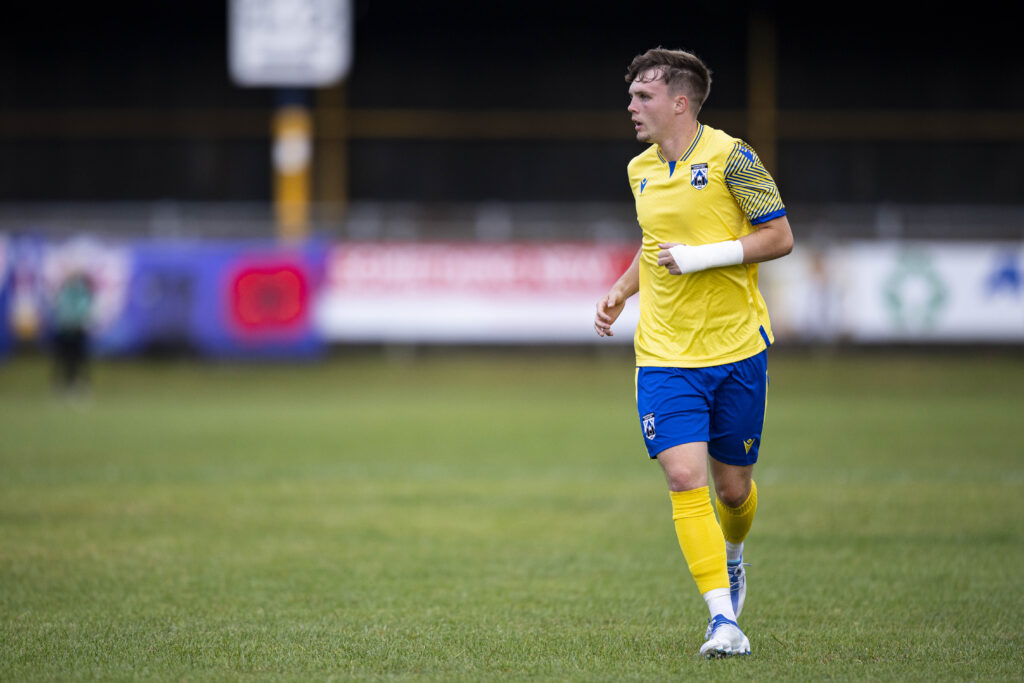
(650, 106)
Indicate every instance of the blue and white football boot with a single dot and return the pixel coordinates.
(726, 639)
(737, 585)
(737, 589)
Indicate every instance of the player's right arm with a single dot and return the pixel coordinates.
(610, 305)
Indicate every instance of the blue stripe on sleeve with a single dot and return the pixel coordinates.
(767, 217)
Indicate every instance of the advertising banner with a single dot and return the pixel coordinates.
(470, 292)
(237, 298)
(899, 291)
(105, 266)
(268, 299)
(858, 292)
(222, 299)
(932, 291)
(6, 286)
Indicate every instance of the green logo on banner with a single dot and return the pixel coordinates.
(914, 292)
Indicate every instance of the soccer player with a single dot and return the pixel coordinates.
(709, 213)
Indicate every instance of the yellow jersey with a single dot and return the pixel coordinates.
(718, 190)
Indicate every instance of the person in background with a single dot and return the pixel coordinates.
(71, 321)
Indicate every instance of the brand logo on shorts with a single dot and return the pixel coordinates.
(648, 421)
(699, 175)
(748, 444)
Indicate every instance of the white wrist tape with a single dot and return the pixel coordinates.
(691, 259)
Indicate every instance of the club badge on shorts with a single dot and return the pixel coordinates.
(648, 423)
(699, 175)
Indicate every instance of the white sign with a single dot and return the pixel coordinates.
(857, 292)
(473, 293)
(933, 291)
(289, 43)
(889, 291)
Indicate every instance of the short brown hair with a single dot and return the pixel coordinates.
(681, 70)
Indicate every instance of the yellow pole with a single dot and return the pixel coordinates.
(292, 156)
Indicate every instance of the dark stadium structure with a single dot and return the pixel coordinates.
(521, 103)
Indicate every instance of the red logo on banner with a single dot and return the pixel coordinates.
(269, 298)
(475, 268)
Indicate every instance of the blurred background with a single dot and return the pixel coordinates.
(271, 178)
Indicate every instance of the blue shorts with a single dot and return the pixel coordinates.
(722, 405)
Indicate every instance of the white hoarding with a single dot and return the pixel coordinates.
(471, 293)
(933, 291)
(899, 291)
(858, 292)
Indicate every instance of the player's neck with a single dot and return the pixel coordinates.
(675, 146)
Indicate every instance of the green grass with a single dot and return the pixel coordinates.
(475, 517)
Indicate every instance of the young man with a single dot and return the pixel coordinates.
(709, 212)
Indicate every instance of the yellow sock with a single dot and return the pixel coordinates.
(736, 521)
(700, 538)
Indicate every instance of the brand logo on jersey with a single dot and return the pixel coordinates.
(748, 444)
(699, 175)
(648, 421)
(643, 184)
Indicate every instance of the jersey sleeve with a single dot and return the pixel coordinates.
(752, 185)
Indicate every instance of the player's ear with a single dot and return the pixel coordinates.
(682, 104)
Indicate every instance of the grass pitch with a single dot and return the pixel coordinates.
(475, 517)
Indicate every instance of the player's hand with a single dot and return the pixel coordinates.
(666, 259)
(608, 310)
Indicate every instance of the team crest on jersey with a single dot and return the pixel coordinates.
(648, 421)
(699, 175)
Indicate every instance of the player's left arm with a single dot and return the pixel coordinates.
(756, 194)
(770, 240)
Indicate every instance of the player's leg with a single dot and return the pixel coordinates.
(674, 415)
(674, 410)
(703, 546)
(736, 502)
(700, 537)
(736, 424)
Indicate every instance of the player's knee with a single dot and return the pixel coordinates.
(685, 479)
(732, 493)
